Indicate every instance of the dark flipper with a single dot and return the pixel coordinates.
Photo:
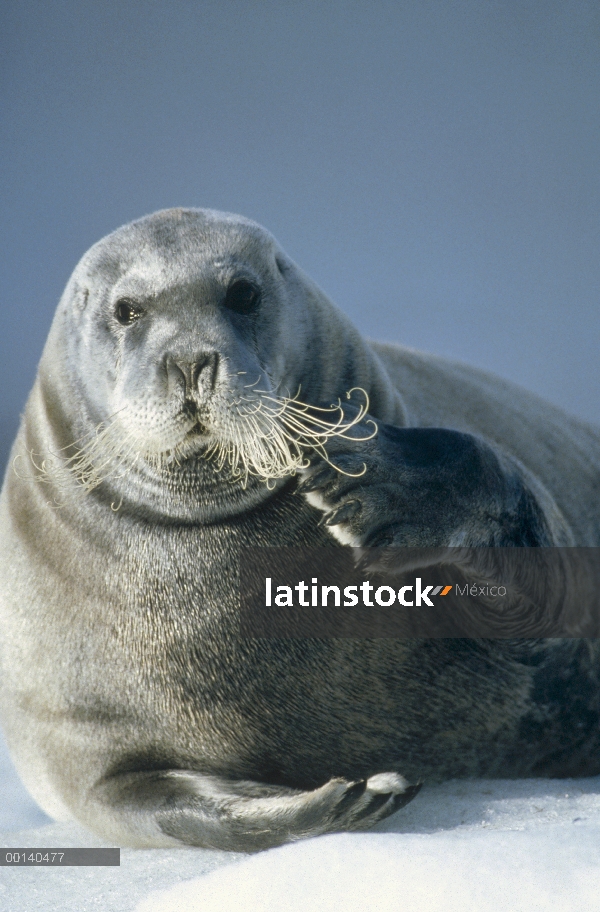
(183, 806)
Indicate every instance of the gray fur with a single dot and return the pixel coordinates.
(128, 699)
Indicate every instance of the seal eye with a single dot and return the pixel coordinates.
(242, 297)
(127, 312)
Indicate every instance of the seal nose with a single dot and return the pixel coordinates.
(195, 372)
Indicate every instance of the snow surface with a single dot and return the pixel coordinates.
(483, 846)
(496, 872)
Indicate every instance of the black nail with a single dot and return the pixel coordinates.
(316, 480)
(343, 513)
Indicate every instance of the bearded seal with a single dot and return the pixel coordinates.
(158, 442)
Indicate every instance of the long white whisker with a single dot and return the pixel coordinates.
(257, 434)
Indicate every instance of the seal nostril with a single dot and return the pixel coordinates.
(194, 372)
(197, 368)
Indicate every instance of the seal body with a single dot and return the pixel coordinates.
(154, 448)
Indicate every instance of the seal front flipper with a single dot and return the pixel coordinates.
(428, 488)
(162, 808)
(413, 497)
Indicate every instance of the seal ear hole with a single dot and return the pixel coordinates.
(280, 265)
(242, 297)
(82, 298)
(127, 312)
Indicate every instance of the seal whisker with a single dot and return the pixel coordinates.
(267, 436)
(262, 436)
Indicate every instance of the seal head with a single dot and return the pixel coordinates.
(185, 335)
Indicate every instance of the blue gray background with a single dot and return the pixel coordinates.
(433, 165)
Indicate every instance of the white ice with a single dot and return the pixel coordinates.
(484, 846)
